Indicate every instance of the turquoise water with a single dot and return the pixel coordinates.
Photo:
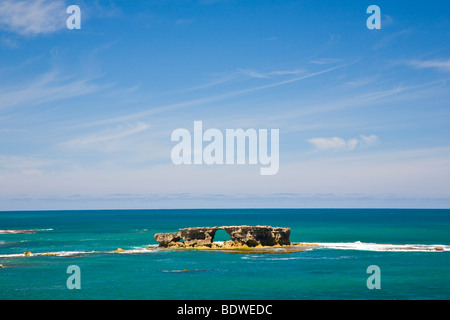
(317, 274)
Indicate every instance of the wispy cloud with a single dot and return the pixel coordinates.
(211, 99)
(333, 143)
(325, 61)
(441, 65)
(243, 75)
(50, 86)
(369, 140)
(399, 93)
(287, 81)
(340, 144)
(269, 74)
(32, 17)
(107, 136)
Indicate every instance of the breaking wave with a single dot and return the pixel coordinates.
(139, 250)
(383, 247)
(46, 254)
(15, 231)
(357, 245)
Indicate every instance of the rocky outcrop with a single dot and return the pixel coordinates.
(165, 239)
(260, 235)
(240, 236)
(201, 236)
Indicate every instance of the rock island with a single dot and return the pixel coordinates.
(243, 238)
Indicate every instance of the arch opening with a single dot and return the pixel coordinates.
(221, 236)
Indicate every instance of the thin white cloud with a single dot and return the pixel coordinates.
(245, 74)
(32, 17)
(339, 144)
(369, 140)
(284, 82)
(250, 74)
(363, 100)
(48, 87)
(333, 143)
(219, 97)
(107, 136)
(286, 72)
(441, 65)
(323, 61)
(269, 74)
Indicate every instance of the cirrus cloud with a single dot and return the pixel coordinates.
(441, 65)
(340, 144)
(32, 17)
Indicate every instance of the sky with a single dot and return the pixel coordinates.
(86, 115)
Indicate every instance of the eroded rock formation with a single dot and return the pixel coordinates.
(240, 236)
(165, 239)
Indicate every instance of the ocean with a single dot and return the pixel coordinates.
(352, 239)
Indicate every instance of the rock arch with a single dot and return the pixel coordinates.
(221, 236)
(251, 236)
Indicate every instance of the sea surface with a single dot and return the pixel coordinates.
(353, 240)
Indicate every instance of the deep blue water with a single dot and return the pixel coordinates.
(316, 274)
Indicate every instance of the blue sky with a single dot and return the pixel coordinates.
(86, 115)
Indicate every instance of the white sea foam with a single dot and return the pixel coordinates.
(384, 247)
(300, 257)
(13, 255)
(329, 245)
(65, 253)
(136, 250)
(282, 259)
(45, 254)
(14, 231)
